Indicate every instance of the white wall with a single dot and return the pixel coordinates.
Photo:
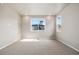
(9, 29)
(70, 30)
(28, 33)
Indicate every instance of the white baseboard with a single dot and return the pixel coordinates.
(68, 45)
(9, 43)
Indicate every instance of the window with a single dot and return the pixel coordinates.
(38, 24)
(58, 23)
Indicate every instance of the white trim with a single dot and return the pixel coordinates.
(7, 44)
(69, 45)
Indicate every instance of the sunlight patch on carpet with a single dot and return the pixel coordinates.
(29, 40)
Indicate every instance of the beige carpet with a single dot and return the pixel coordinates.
(42, 47)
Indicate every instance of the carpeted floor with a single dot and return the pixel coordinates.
(42, 47)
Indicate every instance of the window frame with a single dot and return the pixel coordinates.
(58, 18)
(38, 30)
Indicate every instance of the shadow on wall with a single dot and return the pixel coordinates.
(53, 36)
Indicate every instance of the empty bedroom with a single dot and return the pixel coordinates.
(39, 29)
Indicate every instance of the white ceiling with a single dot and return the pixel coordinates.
(37, 8)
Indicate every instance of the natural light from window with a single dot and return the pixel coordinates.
(38, 24)
(29, 40)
